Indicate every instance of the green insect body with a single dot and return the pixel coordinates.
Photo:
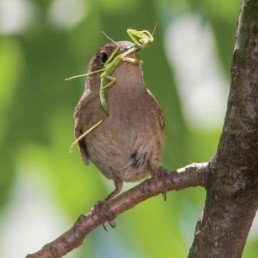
(107, 81)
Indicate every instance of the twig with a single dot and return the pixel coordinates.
(189, 176)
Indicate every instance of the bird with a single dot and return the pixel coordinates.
(127, 146)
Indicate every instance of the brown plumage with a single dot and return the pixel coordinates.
(128, 145)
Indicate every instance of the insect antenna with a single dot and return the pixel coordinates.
(109, 38)
(154, 29)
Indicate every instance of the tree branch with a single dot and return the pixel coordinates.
(189, 176)
(232, 191)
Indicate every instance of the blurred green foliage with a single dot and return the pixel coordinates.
(36, 109)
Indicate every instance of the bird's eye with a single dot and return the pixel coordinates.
(103, 57)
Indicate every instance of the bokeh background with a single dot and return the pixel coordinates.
(44, 188)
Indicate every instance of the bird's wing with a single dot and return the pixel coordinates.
(80, 121)
(158, 110)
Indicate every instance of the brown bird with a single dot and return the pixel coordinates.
(128, 145)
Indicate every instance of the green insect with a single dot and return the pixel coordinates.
(107, 81)
(141, 39)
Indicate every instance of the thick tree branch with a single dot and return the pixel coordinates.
(189, 176)
(232, 191)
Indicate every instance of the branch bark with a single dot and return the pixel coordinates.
(189, 176)
(232, 190)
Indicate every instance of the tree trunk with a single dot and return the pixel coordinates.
(232, 188)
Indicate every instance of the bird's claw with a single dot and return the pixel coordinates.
(163, 174)
(102, 210)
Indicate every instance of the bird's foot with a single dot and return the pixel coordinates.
(162, 174)
(102, 210)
